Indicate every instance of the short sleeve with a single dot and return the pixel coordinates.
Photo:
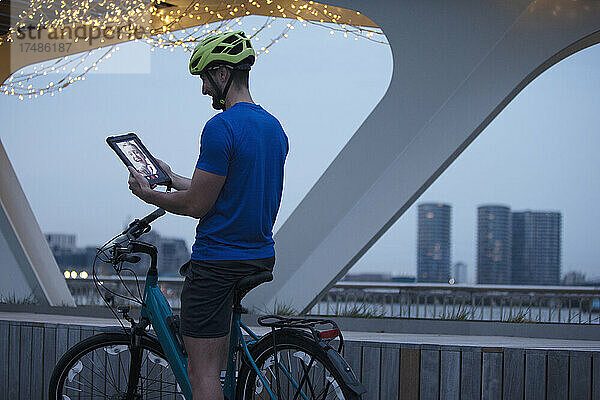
(215, 147)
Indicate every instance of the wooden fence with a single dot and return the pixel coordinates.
(390, 371)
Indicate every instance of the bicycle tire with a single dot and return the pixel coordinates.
(295, 351)
(87, 370)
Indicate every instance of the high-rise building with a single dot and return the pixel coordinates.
(61, 241)
(494, 244)
(459, 272)
(536, 248)
(433, 243)
(172, 253)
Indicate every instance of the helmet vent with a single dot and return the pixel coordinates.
(208, 40)
(237, 49)
(229, 40)
(218, 49)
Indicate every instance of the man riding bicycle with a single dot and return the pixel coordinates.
(235, 192)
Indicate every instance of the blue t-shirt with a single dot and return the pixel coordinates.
(248, 146)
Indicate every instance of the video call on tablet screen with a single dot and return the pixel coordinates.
(138, 159)
(132, 152)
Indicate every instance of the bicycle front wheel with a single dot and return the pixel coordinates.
(305, 372)
(98, 368)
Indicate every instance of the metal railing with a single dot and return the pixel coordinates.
(561, 304)
(84, 291)
(575, 305)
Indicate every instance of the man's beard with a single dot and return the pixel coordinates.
(215, 103)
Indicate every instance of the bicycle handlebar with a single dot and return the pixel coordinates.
(139, 226)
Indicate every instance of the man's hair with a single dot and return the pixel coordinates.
(240, 78)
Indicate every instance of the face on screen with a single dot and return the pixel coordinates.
(137, 158)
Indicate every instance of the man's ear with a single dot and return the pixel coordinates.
(223, 73)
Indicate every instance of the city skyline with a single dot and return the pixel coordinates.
(72, 259)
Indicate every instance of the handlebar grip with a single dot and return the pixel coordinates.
(139, 226)
(159, 212)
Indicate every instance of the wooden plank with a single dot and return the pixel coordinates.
(580, 377)
(491, 376)
(49, 355)
(25, 351)
(353, 355)
(74, 335)
(371, 363)
(14, 343)
(596, 376)
(558, 375)
(62, 340)
(37, 362)
(470, 375)
(410, 361)
(430, 375)
(4, 346)
(514, 369)
(390, 372)
(535, 375)
(450, 375)
(86, 332)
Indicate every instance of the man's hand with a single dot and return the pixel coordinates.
(138, 185)
(178, 182)
(165, 168)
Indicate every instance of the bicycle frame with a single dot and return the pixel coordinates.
(236, 337)
(157, 310)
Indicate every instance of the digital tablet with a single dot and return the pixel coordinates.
(133, 153)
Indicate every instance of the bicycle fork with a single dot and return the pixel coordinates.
(135, 366)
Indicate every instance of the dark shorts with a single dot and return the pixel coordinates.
(207, 294)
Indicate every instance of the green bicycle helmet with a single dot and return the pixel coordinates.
(231, 49)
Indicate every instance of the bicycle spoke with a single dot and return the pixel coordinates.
(82, 378)
(299, 390)
(100, 370)
(307, 371)
(97, 374)
(324, 392)
(86, 381)
(111, 381)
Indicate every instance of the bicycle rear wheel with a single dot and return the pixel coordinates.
(98, 368)
(305, 371)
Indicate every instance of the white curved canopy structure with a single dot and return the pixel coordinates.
(456, 66)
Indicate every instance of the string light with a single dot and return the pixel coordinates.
(162, 26)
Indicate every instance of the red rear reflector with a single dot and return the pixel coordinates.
(329, 334)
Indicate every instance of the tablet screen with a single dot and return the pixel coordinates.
(133, 153)
(138, 159)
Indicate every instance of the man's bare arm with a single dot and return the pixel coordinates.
(195, 201)
(178, 182)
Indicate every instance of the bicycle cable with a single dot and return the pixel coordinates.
(97, 283)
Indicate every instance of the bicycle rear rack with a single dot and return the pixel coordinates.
(324, 330)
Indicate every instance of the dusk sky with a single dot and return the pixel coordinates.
(540, 153)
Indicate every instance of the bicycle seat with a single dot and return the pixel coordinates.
(248, 283)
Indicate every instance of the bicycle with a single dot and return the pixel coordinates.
(294, 360)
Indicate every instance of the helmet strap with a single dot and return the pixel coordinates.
(221, 95)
